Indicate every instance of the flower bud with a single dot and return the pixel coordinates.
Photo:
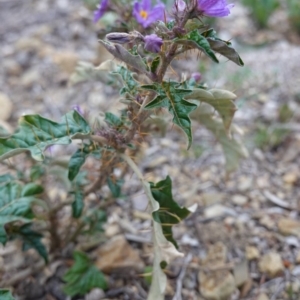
(119, 37)
(196, 76)
(153, 43)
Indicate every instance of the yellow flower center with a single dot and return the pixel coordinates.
(144, 14)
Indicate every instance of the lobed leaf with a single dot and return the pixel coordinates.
(169, 212)
(83, 276)
(233, 150)
(36, 133)
(171, 97)
(15, 204)
(220, 100)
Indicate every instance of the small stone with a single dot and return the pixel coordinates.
(159, 161)
(216, 285)
(290, 178)
(118, 255)
(252, 253)
(241, 272)
(245, 184)
(112, 230)
(66, 61)
(271, 263)
(12, 68)
(267, 222)
(218, 210)
(262, 296)
(95, 294)
(6, 107)
(212, 198)
(30, 77)
(239, 200)
(289, 227)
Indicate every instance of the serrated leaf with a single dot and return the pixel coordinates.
(169, 212)
(30, 239)
(83, 276)
(6, 295)
(195, 40)
(78, 204)
(112, 119)
(13, 206)
(36, 133)
(171, 97)
(220, 100)
(233, 150)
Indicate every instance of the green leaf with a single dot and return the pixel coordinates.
(78, 204)
(220, 100)
(13, 206)
(75, 163)
(115, 186)
(171, 97)
(37, 171)
(6, 295)
(83, 276)
(154, 64)
(222, 47)
(6, 178)
(32, 189)
(95, 222)
(195, 40)
(169, 212)
(128, 80)
(113, 120)
(36, 133)
(233, 150)
(31, 239)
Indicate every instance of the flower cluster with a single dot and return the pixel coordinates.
(146, 14)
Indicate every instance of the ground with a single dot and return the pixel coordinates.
(244, 240)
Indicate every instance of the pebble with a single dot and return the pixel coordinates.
(239, 200)
(288, 226)
(271, 263)
(252, 253)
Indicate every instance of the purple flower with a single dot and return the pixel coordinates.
(145, 14)
(214, 8)
(99, 12)
(196, 76)
(153, 43)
